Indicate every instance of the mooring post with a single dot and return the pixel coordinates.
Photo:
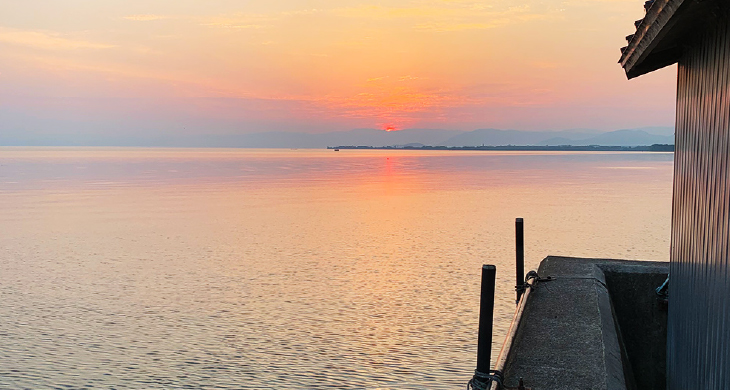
(486, 317)
(520, 249)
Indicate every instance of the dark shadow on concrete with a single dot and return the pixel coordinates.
(643, 326)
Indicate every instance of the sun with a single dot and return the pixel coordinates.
(390, 128)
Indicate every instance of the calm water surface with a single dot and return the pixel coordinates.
(210, 268)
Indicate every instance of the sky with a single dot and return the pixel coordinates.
(130, 68)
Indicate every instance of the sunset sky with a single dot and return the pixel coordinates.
(167, 67)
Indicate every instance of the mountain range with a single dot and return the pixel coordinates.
(380, 138)
(434, 137)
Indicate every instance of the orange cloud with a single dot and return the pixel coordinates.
(239, 21)
(146, 17)
(46, 40)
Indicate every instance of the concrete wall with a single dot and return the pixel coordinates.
(698, 341)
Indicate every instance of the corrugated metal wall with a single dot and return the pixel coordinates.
(698, 343)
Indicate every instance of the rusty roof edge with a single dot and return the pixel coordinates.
(643, 40)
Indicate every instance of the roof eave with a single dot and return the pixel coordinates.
(656, 23)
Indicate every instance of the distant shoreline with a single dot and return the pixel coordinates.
(588, 148)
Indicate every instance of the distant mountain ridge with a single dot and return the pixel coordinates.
(494, 137)
(380, 138)
(614, 138)
(435, 137)
(356, 137)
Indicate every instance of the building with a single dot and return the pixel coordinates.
(696, 35)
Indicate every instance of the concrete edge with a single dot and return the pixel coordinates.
(593, 269)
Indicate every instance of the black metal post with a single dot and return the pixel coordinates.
(486, 317)
(520, 249)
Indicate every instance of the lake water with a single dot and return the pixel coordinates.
(290, 269)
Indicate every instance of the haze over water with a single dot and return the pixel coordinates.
(223, 268)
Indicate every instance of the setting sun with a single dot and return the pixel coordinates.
(193, 194)
(186, 69)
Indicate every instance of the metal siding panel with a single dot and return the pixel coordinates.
(699, 311)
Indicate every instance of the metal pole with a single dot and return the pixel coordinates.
(520, 249)
(486, 316)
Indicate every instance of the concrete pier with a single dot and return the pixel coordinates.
(597, 325)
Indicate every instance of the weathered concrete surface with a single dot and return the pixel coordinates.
(568, 337)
